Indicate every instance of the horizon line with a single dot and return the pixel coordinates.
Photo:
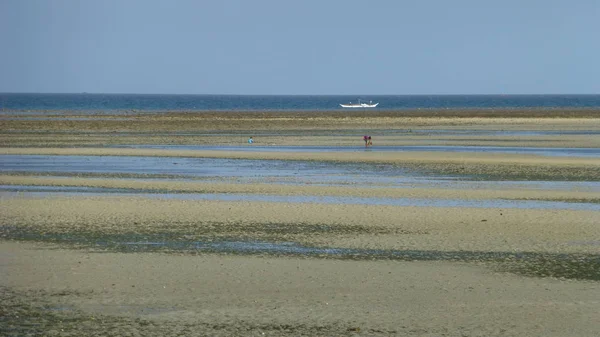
(230, 94)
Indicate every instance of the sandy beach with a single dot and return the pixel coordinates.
(411, 243)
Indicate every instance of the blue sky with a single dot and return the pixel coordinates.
(300, 47)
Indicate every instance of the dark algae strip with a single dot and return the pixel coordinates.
(535, 264)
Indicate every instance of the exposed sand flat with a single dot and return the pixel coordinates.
(427, 228)
(320, 269)
(507, 192)
(166, 295)
(305, 128)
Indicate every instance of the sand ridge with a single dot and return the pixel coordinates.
(413, 190)
(374, 157)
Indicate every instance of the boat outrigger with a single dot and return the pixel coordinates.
(359, 105)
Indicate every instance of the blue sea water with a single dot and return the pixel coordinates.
(16, 102)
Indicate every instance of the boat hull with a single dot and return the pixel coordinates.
(361, 105)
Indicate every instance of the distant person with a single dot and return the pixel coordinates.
(366, 139)
(250, 141)
(370, 143)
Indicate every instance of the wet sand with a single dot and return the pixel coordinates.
(89, 265)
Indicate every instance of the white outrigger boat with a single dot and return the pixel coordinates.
(359, 105)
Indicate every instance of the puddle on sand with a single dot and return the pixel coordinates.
(571, 266)
(8, 191)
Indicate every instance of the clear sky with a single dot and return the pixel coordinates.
(300, 47)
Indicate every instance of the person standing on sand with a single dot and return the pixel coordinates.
(250, 141)
(370, 143)
(366, 139)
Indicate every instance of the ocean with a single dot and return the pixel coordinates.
(19, 102)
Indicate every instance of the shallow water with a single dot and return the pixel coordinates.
(540, 151)
(264, 171)
(290, 171)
